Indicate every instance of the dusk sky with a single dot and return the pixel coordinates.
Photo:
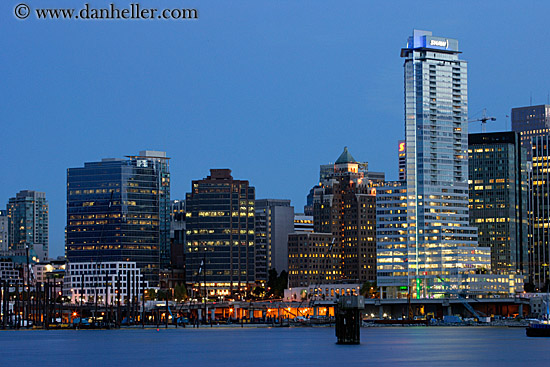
(269, 89)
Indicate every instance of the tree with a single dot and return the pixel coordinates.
(369, 290)
(180, 292)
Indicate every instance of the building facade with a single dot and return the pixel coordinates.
(498, 190)
(539, 248)
(436, 137)
(4, 231)
(303, 223)
(119, 210)
(220, 249)
(274, 222)
(531, 121)
(88, 281)
(345, 205)
(313, 259)
(28, 222)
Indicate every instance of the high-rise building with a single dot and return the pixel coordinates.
(498, 191)
(539, 248)
(28, 219)
(4, 231)
(345, 205)
(274, 222)
(531, 121)
(119, 210)
(220, 234)
(436, 129)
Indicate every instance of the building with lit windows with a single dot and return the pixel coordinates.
(345, 205)
(442, 246)
(220, 234)
(402, 160)
(119, 210)
(88, 281)
(274, 222)
(531, 121)
(28, 223)
(498, 192)
(313, 259)
(539, 247)
(391, 235)
(303, 223)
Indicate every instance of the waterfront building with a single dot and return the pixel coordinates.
(325, 292)
(303, 223)
(9, 274)
(220, 234)
(313, 259)
(41, 271)
(392, 252)
(175, 273)
(539, 248)
(531, 121)
(498, 190)
(344, 205)
(86, 281)
(274, 222)
(4, 231)
(28, 222)
(119, 210)
(436, 126)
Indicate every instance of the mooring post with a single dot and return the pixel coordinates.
(348, 319)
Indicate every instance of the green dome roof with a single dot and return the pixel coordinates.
(345, 157)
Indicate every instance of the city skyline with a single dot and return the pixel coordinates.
(328, 80)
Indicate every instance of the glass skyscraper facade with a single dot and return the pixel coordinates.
(442, 246)
(498, 190)
(28, 222)
(531, 121)
(119, 210)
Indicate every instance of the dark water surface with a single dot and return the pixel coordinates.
(388, 346)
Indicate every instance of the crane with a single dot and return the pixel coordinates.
(484, 118)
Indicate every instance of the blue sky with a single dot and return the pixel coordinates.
(270, 89)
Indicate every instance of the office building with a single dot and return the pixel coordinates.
(344, 205)
(109, 282)
(28, 223)
(436, 128)
(119, 210)
(220, 234)
(539, 248)
(313, 259)
(498, 191)
(530, 121)
(4, 231)
(274, 222)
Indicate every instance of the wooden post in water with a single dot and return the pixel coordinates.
(348, 319)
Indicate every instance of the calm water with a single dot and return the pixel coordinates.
(393, 346)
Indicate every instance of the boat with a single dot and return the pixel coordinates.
(540, 327)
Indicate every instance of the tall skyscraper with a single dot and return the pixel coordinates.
(531, 121)
(119, 210)
(436, 129)
(539, 249)
(345, 205)
(220, 234)
(274, 222)
(28, 222)
(498, 191)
